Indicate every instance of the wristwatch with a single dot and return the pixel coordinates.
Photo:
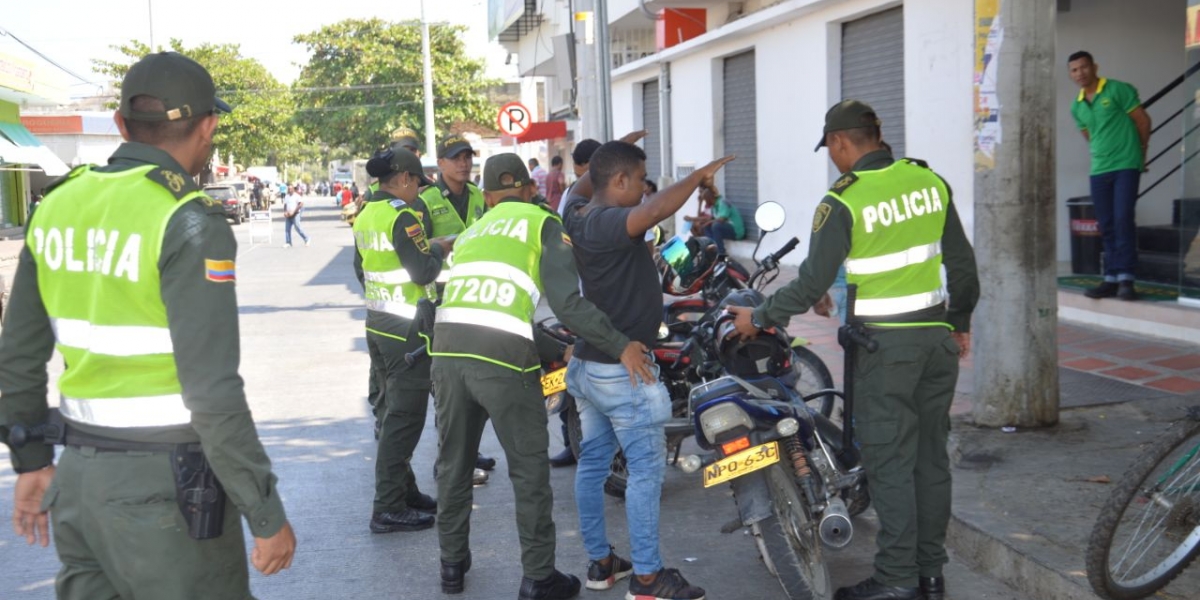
(754, 321)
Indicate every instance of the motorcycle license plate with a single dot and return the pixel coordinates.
(554, 382)
(746, 461)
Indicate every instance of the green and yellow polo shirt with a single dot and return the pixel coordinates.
(1112, 134)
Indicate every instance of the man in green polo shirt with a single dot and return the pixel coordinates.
(1109, 113)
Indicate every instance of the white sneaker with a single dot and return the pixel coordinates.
(308, 242)
(287, 245)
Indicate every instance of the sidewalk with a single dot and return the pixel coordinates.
(1024, 503)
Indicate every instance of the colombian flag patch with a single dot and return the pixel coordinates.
(567, 240)
(219, 270)
(414, 231)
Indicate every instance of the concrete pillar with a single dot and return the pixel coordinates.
(1015, 328)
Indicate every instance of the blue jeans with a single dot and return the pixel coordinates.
(288, 224)
(719, 232)
(612, 412)
(1114, 195)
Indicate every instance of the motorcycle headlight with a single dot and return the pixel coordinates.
(722, 418)
(663, 331)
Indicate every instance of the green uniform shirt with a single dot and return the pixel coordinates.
(830, 245)
(202, 316)
(729, 212)
(1112, 134)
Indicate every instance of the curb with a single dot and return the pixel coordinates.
(991, 555)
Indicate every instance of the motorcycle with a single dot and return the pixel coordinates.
(795, 473)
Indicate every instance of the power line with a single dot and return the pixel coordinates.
(329, 108)
(332, 88)
(10, 34)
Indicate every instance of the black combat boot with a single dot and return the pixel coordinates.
(869, 589)
(453, 573)
(558, 586)
(405, 520)
(934, 588)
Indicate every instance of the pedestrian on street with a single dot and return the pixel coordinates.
(1111, 118)
(538, 174)
(486, 364)
(580, 155)
(556, 183)
(293, 205)
(396, 264)
(164, 317)
(619, 275)
(904, 390)
(726, 222)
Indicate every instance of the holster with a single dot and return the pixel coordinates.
(200, 494)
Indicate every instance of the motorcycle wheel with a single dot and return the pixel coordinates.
(789, 537)
(618, 475)
(813, 376)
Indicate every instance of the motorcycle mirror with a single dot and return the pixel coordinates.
(769, 216)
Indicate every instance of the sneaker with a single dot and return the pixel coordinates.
(1126, 291)
(565, 458)
(1106, 289)
(308, 242)
(287, 245)
(422, 502)
(479, 477)
(600, 577)
(668, 584)
(558, 586)
(405, 520)
(486, 463)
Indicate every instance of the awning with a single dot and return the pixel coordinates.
(544, 130)
(19, 147)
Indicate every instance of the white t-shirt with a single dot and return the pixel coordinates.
(290, 203)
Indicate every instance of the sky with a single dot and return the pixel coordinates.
(263, 28)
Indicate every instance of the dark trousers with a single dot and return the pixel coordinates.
(902, 419)
(719, 232)
(469, 392)
(405, 399)
(1114, 195)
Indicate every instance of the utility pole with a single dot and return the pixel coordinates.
(150, 14)
(603, 72)
(1015, 338)
(430, 144)
(593, 65)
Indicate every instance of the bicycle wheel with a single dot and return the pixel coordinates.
(813, 376)
(1149, 530)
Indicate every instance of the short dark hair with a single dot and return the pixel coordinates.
(614, 158)
(556, 161)
(651, 186)
(156, 133)
(1081, 54)
(584, 150)
(862, 136)
(533, 162)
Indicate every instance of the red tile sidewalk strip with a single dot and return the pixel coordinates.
(1131, 373)
(1186, 362)
(1178, 385)
(1088, 364)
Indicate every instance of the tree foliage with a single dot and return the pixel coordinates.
(261, 129)
(376, 68)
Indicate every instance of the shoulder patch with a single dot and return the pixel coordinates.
(567, 239)
(220, 271)
(398, 203)
(175, 182)
(416, 233)
(844, 182)
(821, 216)
(916, 161)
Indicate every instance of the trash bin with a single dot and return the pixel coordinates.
(1086, 242)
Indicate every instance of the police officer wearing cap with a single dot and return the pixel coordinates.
(486, 365)
(893, 224)
(397, 264)
(128, 271)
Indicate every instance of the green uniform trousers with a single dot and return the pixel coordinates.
(902, 399)
(469, 392)
(405, 397)
(120, 536)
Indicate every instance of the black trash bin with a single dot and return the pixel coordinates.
(1086, 242)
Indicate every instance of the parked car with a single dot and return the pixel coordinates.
(236, 206)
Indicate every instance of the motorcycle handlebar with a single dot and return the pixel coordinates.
(785, 250)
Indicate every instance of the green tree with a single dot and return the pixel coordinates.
(364, 80)
(261, 129)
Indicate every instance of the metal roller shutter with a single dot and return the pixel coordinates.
(652, 143)
(740, 128)
(873, 69)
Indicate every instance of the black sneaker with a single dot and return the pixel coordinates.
(1126, 291)
(934, 588)
(558, 586)
(1106, 289)
(600, 577)
(668, 584)
(869, 589)
(565, 458)
(423, 503)
(486, 463)
(405, 520)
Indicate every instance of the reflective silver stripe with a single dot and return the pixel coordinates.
(486, 318)
(499, 270)
(393, 307)
(389, 277)
(893, 261)
(443, 276)
(142, 411)
(112, 340)
(897, 306)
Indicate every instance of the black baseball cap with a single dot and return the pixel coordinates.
(848, 114)
(406, 138)
(584, 150)
(183, 85)
(405, 161)
(453, 146)
(505, 172)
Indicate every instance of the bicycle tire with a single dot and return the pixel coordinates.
(1130, 496)
(814, 376)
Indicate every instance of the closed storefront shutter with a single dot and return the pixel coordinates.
(873, 69)
(652, 143)
(740, 128)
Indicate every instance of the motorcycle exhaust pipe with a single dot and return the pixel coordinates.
(836, 529)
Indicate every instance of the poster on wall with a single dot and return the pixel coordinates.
(989, 35)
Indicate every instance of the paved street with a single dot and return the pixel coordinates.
(305, 365)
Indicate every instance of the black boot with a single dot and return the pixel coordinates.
(486, 463)
(934, 588)
(565, 458)
(1126, 290)
(558, 586)
(422, 502)
(452, 575)
(869, 589)
(1106, 289)
(405, 520)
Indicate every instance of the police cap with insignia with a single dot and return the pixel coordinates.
(453, 146)
(406, 138)
(505, 172)
(397, 160)
(182, 84)
(848, 114)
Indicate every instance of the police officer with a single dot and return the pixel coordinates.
(129, 272)
(486, 364)
(893, 225)
(397, 266)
